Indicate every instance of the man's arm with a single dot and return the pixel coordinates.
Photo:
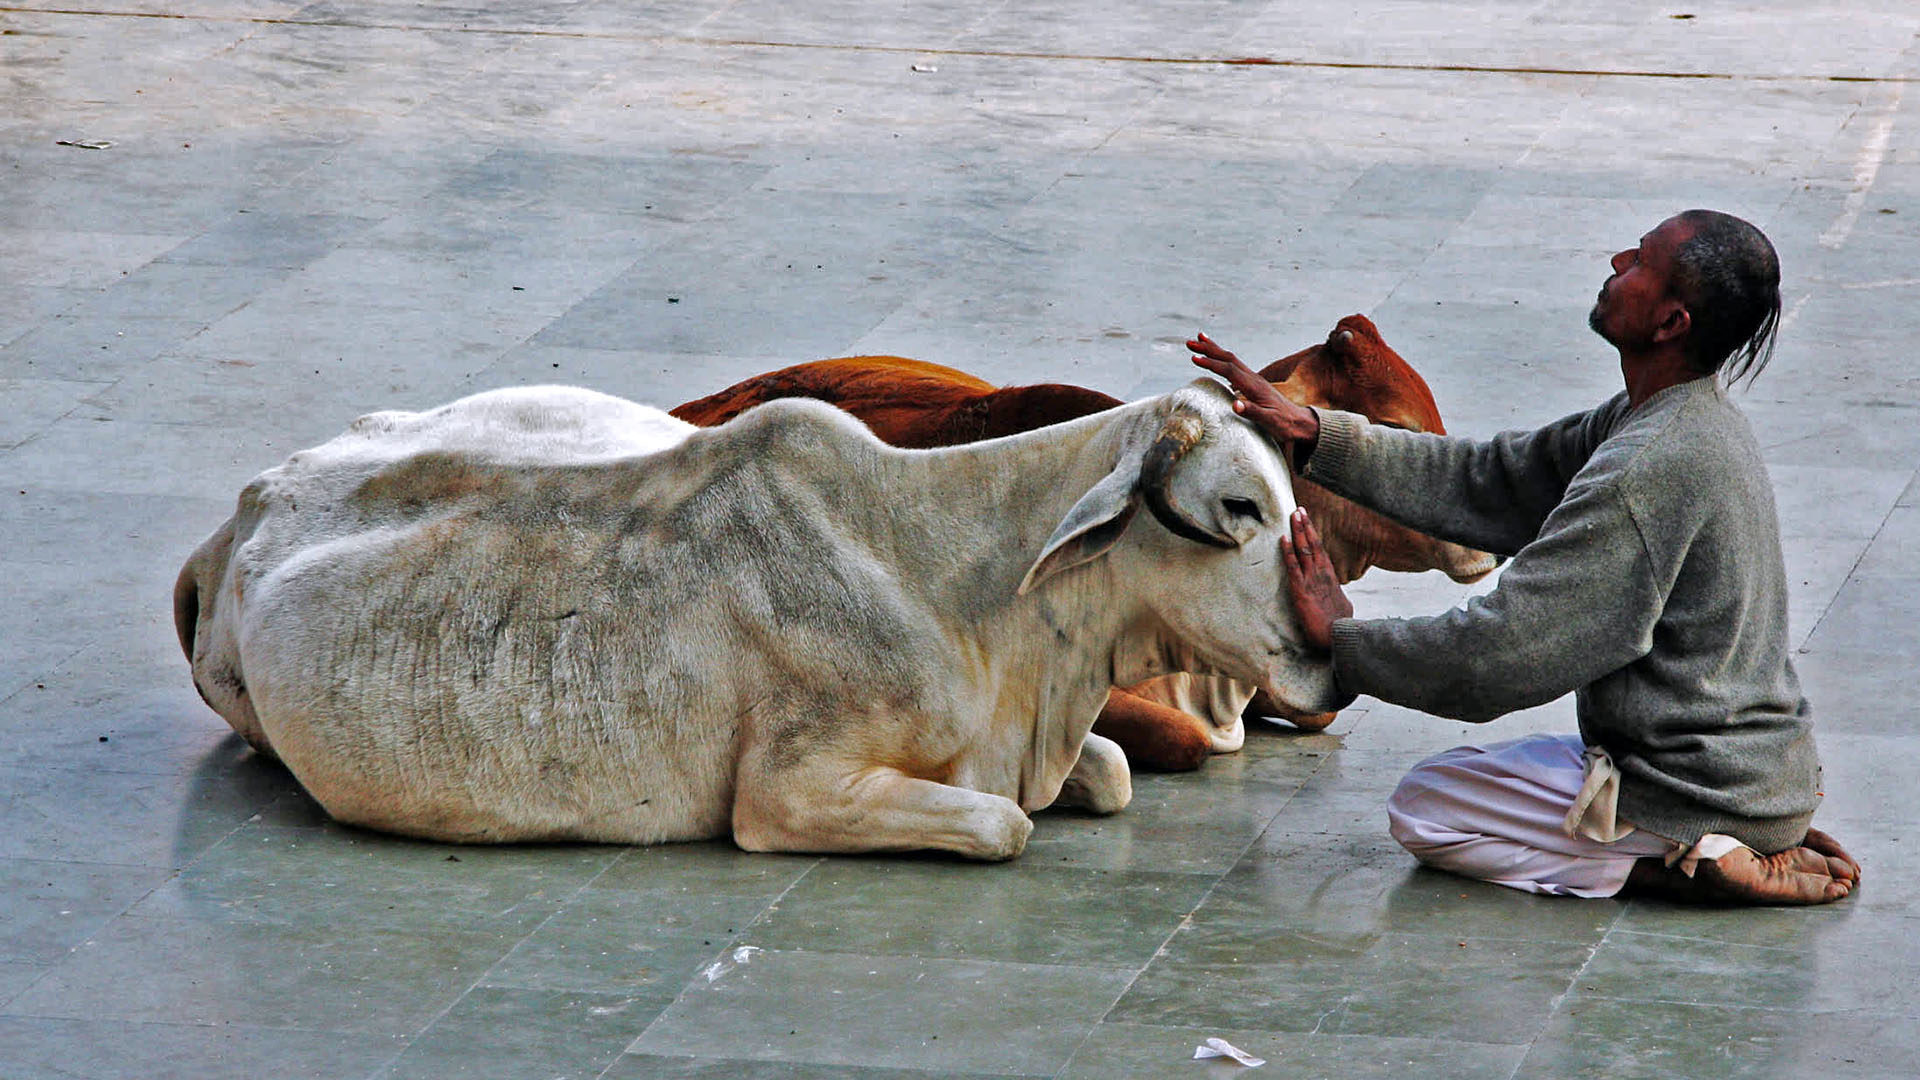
(1492, 495)
(1577, 603)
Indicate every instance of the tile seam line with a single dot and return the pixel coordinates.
(1187, 919)
(992, 54)
(391, 1063)
(732, 943)
(1573, 983)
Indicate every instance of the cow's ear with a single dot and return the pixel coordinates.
(1091, 528)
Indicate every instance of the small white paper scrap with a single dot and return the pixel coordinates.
(739, 956)
(1216, 1047)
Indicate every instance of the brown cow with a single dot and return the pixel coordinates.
(912, 403)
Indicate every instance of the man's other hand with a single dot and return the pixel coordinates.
(1312, 584)
(1257, 400)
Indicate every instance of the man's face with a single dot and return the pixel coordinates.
(1637, 299)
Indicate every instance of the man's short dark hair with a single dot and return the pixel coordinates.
(1728, 277)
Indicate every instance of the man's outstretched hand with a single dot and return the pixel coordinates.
(1312, 584)
(1258, 401)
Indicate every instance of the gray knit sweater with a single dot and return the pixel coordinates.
(1646, 577)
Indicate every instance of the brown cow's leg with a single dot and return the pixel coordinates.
(1263, 706)
(1155, 737)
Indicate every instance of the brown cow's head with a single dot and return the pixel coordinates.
(1355, 370)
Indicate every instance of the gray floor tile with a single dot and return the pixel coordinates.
(295, 877)
(123, 703)
(1207, 834)
(1346, 796)
(670, 1067)
(54, 906)
(1152, 1051)
(510, 1033)
(1895, 551)
(1855, 963)
(332, 976)
(16, 976)
(835, 1009)
(34, 404)
(149, 457)
(81, 349)
(603, 943)
(135, 819)
(45, 1046)
(1312, 883)
(651, 921)
(176, 290)
(377, 350)
(1475, 989)
(1025, 911)
(76, 260)
(1857, 692)
(1592, 1036)
(1868, 616)
(25, 306)
(269, 240)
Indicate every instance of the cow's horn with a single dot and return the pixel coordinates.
(1181, 432)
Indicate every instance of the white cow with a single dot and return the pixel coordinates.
(551, 614)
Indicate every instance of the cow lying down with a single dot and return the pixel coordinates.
(550, 614)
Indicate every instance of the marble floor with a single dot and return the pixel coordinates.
(227, 227)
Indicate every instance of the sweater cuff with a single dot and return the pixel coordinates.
(1338, 444)
(1346, 655)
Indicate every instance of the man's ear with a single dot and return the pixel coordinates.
(1675, 326)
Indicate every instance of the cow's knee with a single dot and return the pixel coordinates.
(1100, 780)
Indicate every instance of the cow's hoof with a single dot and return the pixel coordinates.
(1226, 740)
(1004, 838)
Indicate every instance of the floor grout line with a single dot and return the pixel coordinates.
(987, 54)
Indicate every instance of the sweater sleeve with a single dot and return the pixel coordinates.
(1576, 603)
(1493, 495)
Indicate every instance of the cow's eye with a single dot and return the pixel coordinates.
(1245, 508)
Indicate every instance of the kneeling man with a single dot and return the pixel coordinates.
(1646, 577)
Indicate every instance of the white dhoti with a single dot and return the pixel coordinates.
(1535, 814)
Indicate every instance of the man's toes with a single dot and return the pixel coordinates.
(1802, 860)
(1843, 871)
(1827, 845)
(1794, 876)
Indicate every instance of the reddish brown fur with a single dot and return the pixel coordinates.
(912, 403)
(906, 402)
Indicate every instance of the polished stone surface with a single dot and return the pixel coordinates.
(311, 210)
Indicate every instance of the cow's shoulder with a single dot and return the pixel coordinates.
(795, 436)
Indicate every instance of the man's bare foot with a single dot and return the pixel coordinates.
(1819, 872)
(1842, 865)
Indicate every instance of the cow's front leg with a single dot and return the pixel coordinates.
(1100, 781)
(817, 809)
